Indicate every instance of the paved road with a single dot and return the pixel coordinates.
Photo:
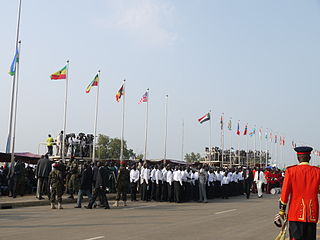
(235, 218)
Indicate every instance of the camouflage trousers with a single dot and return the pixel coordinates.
(56, 193)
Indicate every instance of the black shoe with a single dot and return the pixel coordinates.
(87, 207)
(40, 198)
(77, 206)
(107, 207)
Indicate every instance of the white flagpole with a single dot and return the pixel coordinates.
(267, 148)
(239, 157)
(13, 91)
(260, 155)
(65, 113)
(146, 131)
(16, 105)
(210, 147)
(222, 140)
(96, 121)
(166, 128)
(254, 153)
(247, 147)
(182, 146)
(122, 129)
(230, 142)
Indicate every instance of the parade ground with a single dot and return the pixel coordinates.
(234, 218)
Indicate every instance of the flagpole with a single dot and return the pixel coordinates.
(122, 129)
(210, 148)
(96, 122)
(146, 125)
(222, 139)
(65, 113)
(260, 136)
(230, 142)
(182, 147)
(239, 157)
(13, 90)
(166, 129)
(247, 148)
(16, 104)
(267, 148)
(254, 153)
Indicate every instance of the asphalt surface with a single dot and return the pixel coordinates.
(234, 218)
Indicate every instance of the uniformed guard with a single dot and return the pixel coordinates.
(122, 185)
(56, 186)
(301, 183)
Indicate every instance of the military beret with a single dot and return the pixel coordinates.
(303, 150)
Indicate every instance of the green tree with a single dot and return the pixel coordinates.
(109, 148)
(193, 157)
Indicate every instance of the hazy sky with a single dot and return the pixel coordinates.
(254, 61)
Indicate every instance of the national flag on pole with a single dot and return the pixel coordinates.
(119, 94)
(221, 122)
(293, 144)
(15, 60)
(204, 118)
(270, 136)
(266, 135)
(245, 130)
(8, 146)
(253, 132)
(95, 82)
(275, 138)
(238, 129)
(144, 98)
(61, 74)
(230, 125)
(260, 132)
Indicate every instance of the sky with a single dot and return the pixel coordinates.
(255, 61)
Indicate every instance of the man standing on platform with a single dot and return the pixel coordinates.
(50, 142)
(301, 184)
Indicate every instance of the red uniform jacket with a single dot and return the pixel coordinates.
(301, 183)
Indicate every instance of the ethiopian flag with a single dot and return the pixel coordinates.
(61, 74)
(94, 82)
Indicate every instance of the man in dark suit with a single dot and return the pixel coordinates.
(43, 170)
(15, 177)
(248, 180)
(85, 184)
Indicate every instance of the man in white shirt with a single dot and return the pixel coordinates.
(146, 183)
(211, 179)
(177, 185)
(134, 178)
(225, 186)
(259, 178)
(169, 184)
(164, 190)
(158, 181)
(153, 182)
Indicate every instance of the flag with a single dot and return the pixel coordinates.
(238, 129)
(15, 60)
(204, 118)
(266, 135)
(144, 98)
(275, 138)
(270, 136)
(119, 94)
(94, 82)
(61, 74)
(245, 130)
(253, 132)
(221, 122)
(230, 125)
(8, 146)
(293, 144)
(282, 141)
(260, 132)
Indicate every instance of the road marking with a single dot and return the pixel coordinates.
(140, 207)
(94, 238)
(231, 210)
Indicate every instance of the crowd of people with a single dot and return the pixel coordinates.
(75, 145)
(154, 182)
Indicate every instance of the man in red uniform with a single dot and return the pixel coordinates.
(301, 183)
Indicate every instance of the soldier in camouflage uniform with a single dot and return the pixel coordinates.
(73, 183)
(56, 186)
(122, 184)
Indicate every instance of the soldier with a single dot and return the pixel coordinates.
(301, 183)
(56, 186)
(73, 183)
(122, 184)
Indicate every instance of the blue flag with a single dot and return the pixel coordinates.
(12, 70)
(8, 147)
